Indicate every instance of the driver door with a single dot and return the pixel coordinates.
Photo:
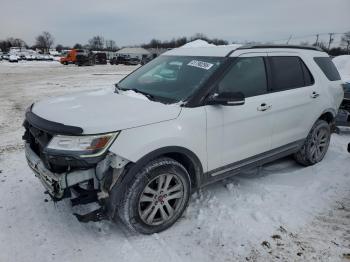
(235, 133)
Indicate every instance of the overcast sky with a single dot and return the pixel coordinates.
(131, 22)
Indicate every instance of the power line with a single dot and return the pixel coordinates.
(306, 36)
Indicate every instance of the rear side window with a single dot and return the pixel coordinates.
(328, 68)
(247, 75)
(289, 72)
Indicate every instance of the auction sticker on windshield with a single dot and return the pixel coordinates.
(200, 64)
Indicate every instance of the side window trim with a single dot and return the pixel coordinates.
(268, 71)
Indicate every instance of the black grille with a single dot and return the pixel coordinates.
(38, 140)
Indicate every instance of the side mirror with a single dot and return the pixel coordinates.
(226, 99)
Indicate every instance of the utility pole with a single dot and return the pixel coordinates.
(317, 36)
(330, 40)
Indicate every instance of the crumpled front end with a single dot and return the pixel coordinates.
(84, 179)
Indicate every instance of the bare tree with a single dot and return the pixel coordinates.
(331, 39)
(44, 41)
(5, 45)
(78, 46)
(96, 43)
(16, 42)
(346, 41)
(111, 45)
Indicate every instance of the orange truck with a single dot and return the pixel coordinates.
(71, 57)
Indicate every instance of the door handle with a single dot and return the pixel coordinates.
(315, 94)
(264, 107)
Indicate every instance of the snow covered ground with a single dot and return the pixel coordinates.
(281, 212)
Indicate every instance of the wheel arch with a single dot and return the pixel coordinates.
(328, 115)
(180, 154)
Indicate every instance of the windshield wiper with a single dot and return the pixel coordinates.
(149, 96)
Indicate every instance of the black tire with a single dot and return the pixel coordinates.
(316, 144)
(133, 204)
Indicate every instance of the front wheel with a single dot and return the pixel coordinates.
(316, 144)
(156, 197)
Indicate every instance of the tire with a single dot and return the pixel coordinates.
(316, 144)
(149, 205)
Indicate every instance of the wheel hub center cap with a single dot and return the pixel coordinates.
(161, 198)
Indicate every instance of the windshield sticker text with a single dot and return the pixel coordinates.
(200, 64)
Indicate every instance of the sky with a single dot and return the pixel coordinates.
(131, 22)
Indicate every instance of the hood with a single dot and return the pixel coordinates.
(103, 111)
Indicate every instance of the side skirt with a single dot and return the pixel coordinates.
(251, 162)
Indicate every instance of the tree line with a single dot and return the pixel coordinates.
(45, 41)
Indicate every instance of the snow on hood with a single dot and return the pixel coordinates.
(102, 111)
(342, 63)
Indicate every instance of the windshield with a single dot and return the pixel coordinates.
(171, 79)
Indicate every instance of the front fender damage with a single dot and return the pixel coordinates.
(107, 174)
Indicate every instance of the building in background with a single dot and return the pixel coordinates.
(133, 52)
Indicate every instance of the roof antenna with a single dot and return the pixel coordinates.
(290, 37)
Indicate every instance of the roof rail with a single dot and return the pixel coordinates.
(316, 48)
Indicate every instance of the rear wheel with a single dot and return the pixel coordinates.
(316, 144)
(156, 197)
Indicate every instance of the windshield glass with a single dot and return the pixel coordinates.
(170, 79)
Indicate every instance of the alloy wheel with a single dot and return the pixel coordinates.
(161, 199)
(319, 144)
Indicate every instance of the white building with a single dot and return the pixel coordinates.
(134, 52)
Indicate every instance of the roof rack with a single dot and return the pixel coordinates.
(315, 48)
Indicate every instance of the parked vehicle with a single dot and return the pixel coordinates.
(89, 59)
(145, 60)
(6, 56)
(124, 60)
(48, 57)
(30, 57)
(186, 119)
(71, 57)
(13, 58)
(100, 58)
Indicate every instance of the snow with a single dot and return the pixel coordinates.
(342, 63)
(306, 210)
(197, 43)
(132, 93)
(203, 43)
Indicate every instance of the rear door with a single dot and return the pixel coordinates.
(294, 95)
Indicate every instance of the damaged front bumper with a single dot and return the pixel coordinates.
(54, 183)
(98, 180)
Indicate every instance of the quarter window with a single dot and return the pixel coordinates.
(328, 68)
(247, 75)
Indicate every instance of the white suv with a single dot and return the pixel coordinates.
(191, 117)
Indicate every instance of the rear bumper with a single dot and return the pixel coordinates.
(54, 183)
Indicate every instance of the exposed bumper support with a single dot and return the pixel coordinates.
(55, 183)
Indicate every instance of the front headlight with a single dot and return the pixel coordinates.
(84, 146)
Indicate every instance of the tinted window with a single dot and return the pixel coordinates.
(287, 73)
(247, 75)
(328, 68)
